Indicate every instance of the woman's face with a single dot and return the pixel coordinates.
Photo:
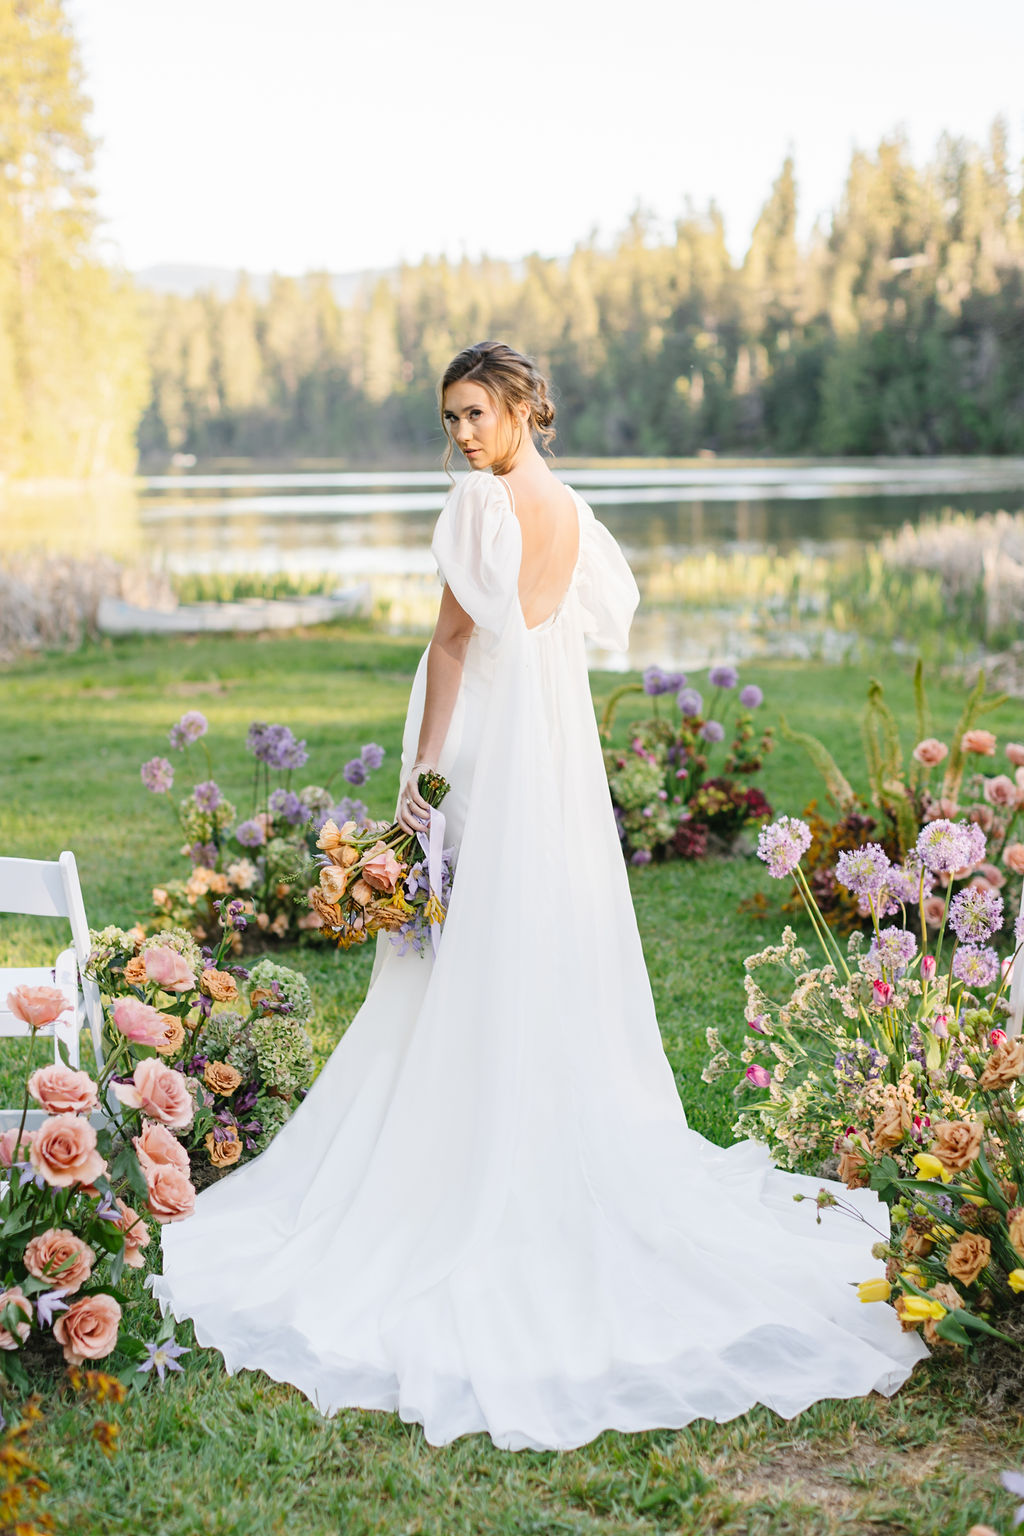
(482, 433)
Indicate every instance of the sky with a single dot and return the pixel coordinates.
(290, 135)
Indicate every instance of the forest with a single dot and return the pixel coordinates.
(896, 328)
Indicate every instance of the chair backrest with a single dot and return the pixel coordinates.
(1017, 990)
(46, 888)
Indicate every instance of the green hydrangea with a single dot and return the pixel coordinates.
(283, 857)
(177, 939)
(201, 826)
(284, 1053)
(637, 785)
(316, 799)
(272, 1114)
(294, 987)
(219, 1031)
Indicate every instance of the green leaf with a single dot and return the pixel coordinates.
(952, 1330)
(837, 785)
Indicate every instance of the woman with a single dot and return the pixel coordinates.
(489, 1213)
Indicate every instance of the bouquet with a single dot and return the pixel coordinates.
(375, 880)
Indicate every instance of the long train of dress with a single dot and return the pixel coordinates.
(489, 1213)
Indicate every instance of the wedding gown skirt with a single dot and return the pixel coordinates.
(489, 1212)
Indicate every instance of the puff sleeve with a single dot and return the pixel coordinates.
(607, 588)
(477, 547)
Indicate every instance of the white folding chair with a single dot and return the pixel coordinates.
(44, 888)
(1017, 990)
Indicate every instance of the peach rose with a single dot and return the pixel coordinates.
(47, 1252)
(957, 1143)
(220, 985)
(225, 1152)
(1015, 1226)
(88, 1329)
(160, 1092)
(7, 1145)
(382, 870)
(323, 910)
(894, 1120)
(221, 1077)
(333, 882)
(37, 1006)
(994, 876)
(155, 1147)
(64, 1151)
(1013, 858)
(933, 907)
(1015, 752)
(1001, 790)
(1005, 1065)
(968, 1257)
(136, 1235)
(855, 1161)
(135, 973)
(930, 751)
(361, 893)
(138, 1022)
(174, 1036)
(172, 1195)
(160, 897)
(981, 743)
(169, 970)
(945, 807)
(16, 1296)
(61, 1090)
(918, 1242)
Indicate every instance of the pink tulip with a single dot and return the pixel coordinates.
(997, 1036)
(757, 1022)
(927, 967)
(883, 991)
(759, 1076)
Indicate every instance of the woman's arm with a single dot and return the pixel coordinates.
(445, 659)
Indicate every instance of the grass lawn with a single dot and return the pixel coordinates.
(209, 1453)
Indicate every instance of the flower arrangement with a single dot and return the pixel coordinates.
(888, 1065)
(261, 859)
(378, 880)
(671, 800)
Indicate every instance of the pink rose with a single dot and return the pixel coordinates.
(995, 877)
(139, 1023)
(981, 743)
(50, 1250)
(64, 1151)
(88, 1329)
(169, 970)
(758, 1075)
(930, 751)
(160, 1092)
(1001, 790)
(979, 883)
(61, 1090)
(1015, 752)
(382, 870)
(1013, 858)
(136, 1235)
(942, 809)
(155, 1147)
(7, 1147)
(37, 1006)
(933, 906)
(172, 1196)
(16, 1296)
(983, 816)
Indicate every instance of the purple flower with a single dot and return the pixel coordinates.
(157, 775)
(751, 696)
(945, 845)
(975, 966)
(712, 730)
(758, 1075)
(286, 804)
(782, 845)
(189, 728)
(690, 701)
(894, 948)
(348, 809)
(49, 1302)
(276, 746)
(974, 842)
(654, 681)
(723, 677)
(207, 796)
(355, 771)
(250, 834)
(904, 881)
(204, 854)
(674, 681)
(863, 870)
(974, 915)
(163, 1356)
(372, 756)
(641, 856)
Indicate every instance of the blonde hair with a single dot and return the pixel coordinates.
(511, 380)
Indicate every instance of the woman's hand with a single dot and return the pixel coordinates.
(413, 810)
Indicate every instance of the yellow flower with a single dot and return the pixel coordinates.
(918, 1308)
(912, 1273)
(1016, 1279)
(943, 1231)
(974, 1199)
(930, 1167)
(874, 1290)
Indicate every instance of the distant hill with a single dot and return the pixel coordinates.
(184, 278)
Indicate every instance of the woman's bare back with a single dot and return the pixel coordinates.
(549, 527)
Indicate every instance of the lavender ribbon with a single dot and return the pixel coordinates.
(433, 847)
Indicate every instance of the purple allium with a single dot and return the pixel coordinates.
(904, 880)
(974, 843)
(207, 796)
(723, 677)
(163, 1356)
(751, 696)
(974, 915)
(372, 756)
(157, 775)
(250, 834)
(641, 856)
(204, 854)
(674, 681)
(654, 681)
(189, 728)
(945, 845)
(348, 809)
(782, 845)
(276, 746)
(863, 870)
(712, 730)
(975, 966)
(355, 771)
(894, 948)
(690, 701)
(286, 804)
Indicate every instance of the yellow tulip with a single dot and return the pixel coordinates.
(930, 1167)
(943, 1231)
(877, 1290)
(917, 1309)
(1016, 1279)
(974, 1199)
(912, 1273)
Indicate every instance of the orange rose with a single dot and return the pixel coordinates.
(160, 1092)
(61, 1090)
(136, 1234)
(135, 973)
(46, 1253)
(894, 1121)
(968, 1257)
(155, 1147)
(17, 1297)
(64, 1151)
(225, 1152)
(220, 985)
(221, 1077)
(174, 1035)
(171, 1194)
(88, 1329)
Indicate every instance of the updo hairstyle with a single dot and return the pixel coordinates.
(511, 380)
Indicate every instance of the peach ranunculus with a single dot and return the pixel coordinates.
(138, 1022)
(221, 1077)
(135, 973)
(88, 1329)
(61, 1090)
(981, 743)
(64, 1151)
(930, 751)
(220, 985)
(957, 1143)
(1013, 858)
(174, 1035)
(224, 1152)
(1015, 752)
(37, 1006)
(136, 1234)
(17, 1297)
(172, 1195)
(50, 1250)
(160, 1092)
(333, 882)
(7, 1145)
(968, 1256)
(361, 893)
(382, 870)
(1001, 790)
(155, 1147)
(169, 970)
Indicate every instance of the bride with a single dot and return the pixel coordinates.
(489, 1213)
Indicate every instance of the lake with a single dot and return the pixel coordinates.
(717, 546)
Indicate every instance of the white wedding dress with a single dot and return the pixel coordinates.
(489, 1213)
